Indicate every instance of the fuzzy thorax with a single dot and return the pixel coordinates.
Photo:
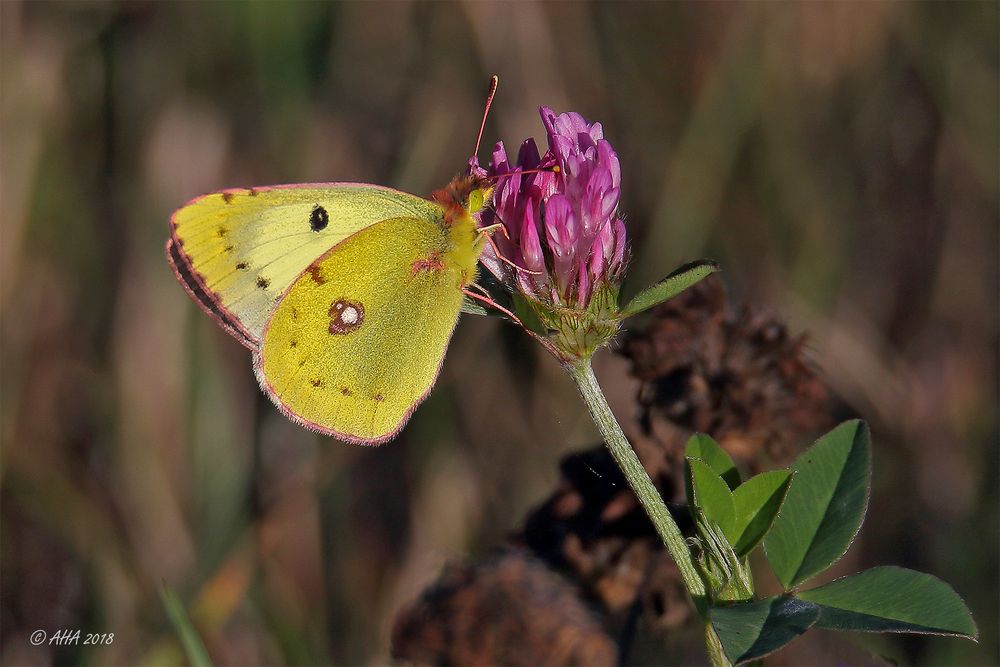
(461, 200)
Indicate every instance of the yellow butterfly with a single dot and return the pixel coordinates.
(347, 294)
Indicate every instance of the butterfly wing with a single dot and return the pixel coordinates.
(355, 344)
(237, 251)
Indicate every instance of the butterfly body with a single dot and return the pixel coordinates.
(347, 294)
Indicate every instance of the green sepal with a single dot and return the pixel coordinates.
(528, 315)
(571, 333)
(729, 577)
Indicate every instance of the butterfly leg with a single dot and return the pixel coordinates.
(487, 300)
(499, 255)
(489, 229)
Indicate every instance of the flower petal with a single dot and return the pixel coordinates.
(531, 246)
(561, 233)
(527, 156)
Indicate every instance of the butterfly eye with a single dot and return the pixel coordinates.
(476, 200)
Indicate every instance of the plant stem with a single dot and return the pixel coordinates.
(638, 479)
(713, 645)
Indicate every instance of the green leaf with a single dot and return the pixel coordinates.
(671, 286)
(702, 446)
(824, 508)
(193, 646)
(711, 495)
(892, 599)
(743, 515)
(757, 502)
(752, 630)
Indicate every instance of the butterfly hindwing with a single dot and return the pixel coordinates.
(237, 251)
(356, 342)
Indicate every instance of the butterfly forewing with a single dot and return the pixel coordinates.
(238, 251)
(355, 344)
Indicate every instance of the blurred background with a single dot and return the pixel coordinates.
(839, 159)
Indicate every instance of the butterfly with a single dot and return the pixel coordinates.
(346, 293)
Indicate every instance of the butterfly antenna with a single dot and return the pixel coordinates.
(494, 82)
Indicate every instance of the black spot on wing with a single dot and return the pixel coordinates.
(262, 282)
(318, 219)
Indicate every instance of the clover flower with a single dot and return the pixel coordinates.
(560, 226)
(562, 249)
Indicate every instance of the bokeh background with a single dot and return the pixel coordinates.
(838, 159)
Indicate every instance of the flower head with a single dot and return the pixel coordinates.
(563, 239)
(563, 246)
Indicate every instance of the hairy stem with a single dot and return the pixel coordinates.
(638, 479)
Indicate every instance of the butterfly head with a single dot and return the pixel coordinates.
(466, 195)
